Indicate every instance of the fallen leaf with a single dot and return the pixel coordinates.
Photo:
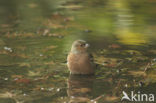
(137, 73)
(114, 46)
(25, 81)
(111, 98)
(7, 95)
(17, 76)
(24, 65)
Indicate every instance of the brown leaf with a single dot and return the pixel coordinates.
(114, 46)
(111, 98)
(25, 81)
(137, 73)
(17, 76)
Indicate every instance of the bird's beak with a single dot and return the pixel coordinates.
(86, 45)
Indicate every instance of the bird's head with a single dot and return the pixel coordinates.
(79, 46)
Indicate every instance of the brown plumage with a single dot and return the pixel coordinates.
(78, 60)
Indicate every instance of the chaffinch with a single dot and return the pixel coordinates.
(78, 60)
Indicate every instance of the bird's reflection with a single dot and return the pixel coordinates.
(80, 88)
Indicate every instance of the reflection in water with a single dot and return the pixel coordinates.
(36, 35)
(125, 24)
(80, 88)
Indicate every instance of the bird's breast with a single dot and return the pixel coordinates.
(79, 63)
(78, 58)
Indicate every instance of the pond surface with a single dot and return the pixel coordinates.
(36, 36)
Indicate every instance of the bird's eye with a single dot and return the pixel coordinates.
(82, 45)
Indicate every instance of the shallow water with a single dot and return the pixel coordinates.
(36, 36)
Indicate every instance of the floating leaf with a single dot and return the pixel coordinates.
(24, 80)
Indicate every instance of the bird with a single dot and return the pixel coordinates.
(79, 60)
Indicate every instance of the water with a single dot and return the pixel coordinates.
(36, 36)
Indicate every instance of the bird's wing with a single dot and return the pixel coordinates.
(91, 57)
